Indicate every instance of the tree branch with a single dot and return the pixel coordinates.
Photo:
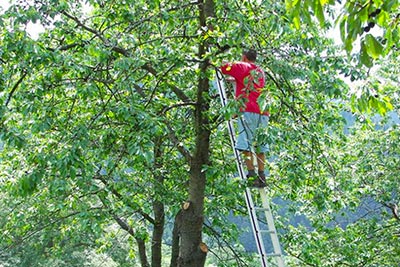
(166, 109)
(394, 208)
(185, 152)
(158, 82)
(24, 74)
(141, 244)
(227, 244)
(178, 92)
(50, 223)
(81, 24)
(64, 47)
(119, 196)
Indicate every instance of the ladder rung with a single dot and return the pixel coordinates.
(267, 231)
(261, 209)
(273, 255)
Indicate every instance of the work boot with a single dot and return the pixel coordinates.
(256, 181)
(252, 179)
(260, 182)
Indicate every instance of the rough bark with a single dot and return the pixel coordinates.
(175, 239)
(158, 208)
(192, 252)
(158, 231)
(142, 252)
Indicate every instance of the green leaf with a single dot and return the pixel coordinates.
(319, 12)
(363, 14)
(364, 56)
(373, 47)
(383, 19)
(389, 5)
(342, 29)
(296, 20)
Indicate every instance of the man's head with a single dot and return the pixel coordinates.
(249, 56)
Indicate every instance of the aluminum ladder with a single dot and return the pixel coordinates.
(267, 259)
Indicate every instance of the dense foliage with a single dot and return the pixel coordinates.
(109, 122)
(373, 24)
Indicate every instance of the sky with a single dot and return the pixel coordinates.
(34, 29)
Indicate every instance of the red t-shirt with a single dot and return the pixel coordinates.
(250, 79)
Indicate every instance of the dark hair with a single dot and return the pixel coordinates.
(251, 55)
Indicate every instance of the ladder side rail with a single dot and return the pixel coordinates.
(248, 197)
(256, 228)
(224, 102)
(271, 225)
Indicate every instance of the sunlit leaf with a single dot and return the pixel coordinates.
(373, 47)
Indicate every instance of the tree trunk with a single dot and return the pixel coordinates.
(142, 252)
(140, 241)
(193, 251)
(175, 239)
(158, 232)
(158, 208)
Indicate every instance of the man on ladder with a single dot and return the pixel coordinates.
(252, 121)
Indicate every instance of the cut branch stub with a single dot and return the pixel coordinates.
(203, 247)
(186, 205)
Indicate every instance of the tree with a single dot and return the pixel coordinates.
(366, 185)
(356, 20)
(103, 92)
(110, 126)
